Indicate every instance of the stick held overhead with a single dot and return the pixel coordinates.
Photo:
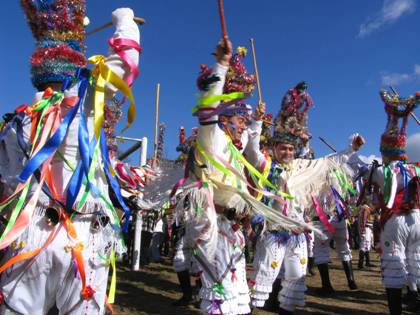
(100, 28)
(222, 20)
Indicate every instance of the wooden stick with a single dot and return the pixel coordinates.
(327, 144)
(257, 77)
(100, 28)
(156, 121)
(223, 21)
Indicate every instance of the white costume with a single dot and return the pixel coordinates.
(34, 286)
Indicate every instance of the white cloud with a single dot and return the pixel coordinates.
(391, 11)
(369, 159)
(413, 147)
(400, 78)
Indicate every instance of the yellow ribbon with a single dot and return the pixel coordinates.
(112, 287)
(104, 74)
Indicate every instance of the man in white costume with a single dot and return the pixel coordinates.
(68, 257)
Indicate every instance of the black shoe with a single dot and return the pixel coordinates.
(361, 259)
(394, 301)
(327, 288)
(413, 301)
(185, 283)
(349, 275)
(284, 312)
(368, 264)
(272, 304)
(184, 301)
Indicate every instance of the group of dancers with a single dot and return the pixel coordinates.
(61, 187)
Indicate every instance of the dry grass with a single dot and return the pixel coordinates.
(155, 288)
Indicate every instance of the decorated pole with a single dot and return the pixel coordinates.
(257, 77)
(223, 21)
(156, 122)
(100, 28)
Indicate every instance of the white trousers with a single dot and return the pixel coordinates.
(224, 287)
(400, 245)
(34, 286)
(272, 254)
(366, 239)
(322, 249)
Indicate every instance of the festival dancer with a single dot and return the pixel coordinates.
(67, 233)
(398, 185)
(365, 221)
(304, 179)
(339, 232)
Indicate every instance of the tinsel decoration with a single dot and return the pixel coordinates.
(161, 139)
(59, 31)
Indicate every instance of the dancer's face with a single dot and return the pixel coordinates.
(284, 152)
(234, 126)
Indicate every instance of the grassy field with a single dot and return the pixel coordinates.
(153, 290)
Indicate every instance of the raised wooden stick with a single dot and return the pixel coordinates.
(100, 28)
(327, 144)
(257, 77)
(223, 21)
(156, 121)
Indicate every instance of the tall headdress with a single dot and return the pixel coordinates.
(393, 140)
(57, 26)
(292, 119)
(237, 80)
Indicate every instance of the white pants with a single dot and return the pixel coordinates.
(224, 288)
(310, 242)
(34, 286)
(322, 249)
(271, 254)
(366, 239)
(400, 245)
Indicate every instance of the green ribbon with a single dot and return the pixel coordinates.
(387, 182)
(212, 99)
(219, 289)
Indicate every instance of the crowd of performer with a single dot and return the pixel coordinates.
(252, 191)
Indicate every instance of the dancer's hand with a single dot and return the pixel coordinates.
(224, 52)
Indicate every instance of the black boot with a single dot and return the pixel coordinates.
(272, 303)
(394, 301)
(349, 275)
(361, 259)
(311, 263)
(184, 281)
(284, 312)
(413, 301)
(368, 264)
(327, 288)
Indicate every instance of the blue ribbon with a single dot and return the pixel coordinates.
(404, 174)
(342, 209)
(112, 180)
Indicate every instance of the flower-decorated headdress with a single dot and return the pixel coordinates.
(237, 78)
(58, 28)
(393, 140)
(290, 125)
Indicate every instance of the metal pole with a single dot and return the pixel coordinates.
(137, 243)
(143, 152)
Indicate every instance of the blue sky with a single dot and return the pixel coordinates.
(345, 50)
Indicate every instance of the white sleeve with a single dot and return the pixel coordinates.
(126, 28)
(252, 150)
(211, 136)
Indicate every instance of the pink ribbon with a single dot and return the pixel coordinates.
(120, 45)
(322, 216)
